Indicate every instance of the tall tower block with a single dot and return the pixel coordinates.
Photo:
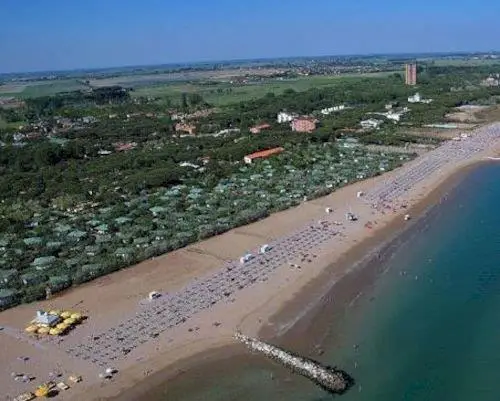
(411, 74)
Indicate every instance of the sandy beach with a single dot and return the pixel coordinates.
(264, 307)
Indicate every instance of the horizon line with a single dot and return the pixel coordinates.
(221, 61)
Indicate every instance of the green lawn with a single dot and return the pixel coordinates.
(225, 93)
(4, 124)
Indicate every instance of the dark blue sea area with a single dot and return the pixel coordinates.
(427, 327)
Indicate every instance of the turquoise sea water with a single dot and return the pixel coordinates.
(427, 329)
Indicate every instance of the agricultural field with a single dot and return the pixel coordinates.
(12, 89)
(146, 79)
(463, 62)
(40, 88)
(223, 93)
(63, 247)
(49, 88)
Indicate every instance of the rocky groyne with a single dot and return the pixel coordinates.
(330, 379)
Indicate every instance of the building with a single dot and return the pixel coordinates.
(417, 98)
(263, 154)
(44, 319)
(182, 127)
(411, 74)
(256, 129)
(284, 117)
(123, 147)
(491, 81)
(303, 124)
(370, 123)
(330, 110)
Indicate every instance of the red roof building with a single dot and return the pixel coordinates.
(304, 124)
(263, 154)
(123, 147)
(182, 127)
(260, 127)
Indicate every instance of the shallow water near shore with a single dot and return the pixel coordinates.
(426, 328)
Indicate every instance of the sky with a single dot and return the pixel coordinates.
(41, 35)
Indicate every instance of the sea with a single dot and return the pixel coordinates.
(426, 327)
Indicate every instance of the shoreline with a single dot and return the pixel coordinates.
(359, 267)
(265, 309)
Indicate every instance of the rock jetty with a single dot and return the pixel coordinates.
(330, 379)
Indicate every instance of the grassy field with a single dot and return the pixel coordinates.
(462, 62)
(12, 89)
(213, 91)
(39, 88)
(226, 93)
(51, 88)
(4, 124)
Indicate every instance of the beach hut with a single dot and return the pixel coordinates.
(62, 228)
(59, 283)
(122, 220)
(32, 241)
(54, 244)
(124, 252)
(33, 278)
(7, 297)
(43, 262)
(91, 269)
(102, 229)
(101, 239)
(157, 210)
(7, 276)
(92, 250)
(77, 235)
(44, 319)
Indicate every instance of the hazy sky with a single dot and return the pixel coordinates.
(66, 34)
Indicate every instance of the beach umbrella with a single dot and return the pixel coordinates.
(31, 329)
(43, 330)
(76, 316)
(42, 391)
